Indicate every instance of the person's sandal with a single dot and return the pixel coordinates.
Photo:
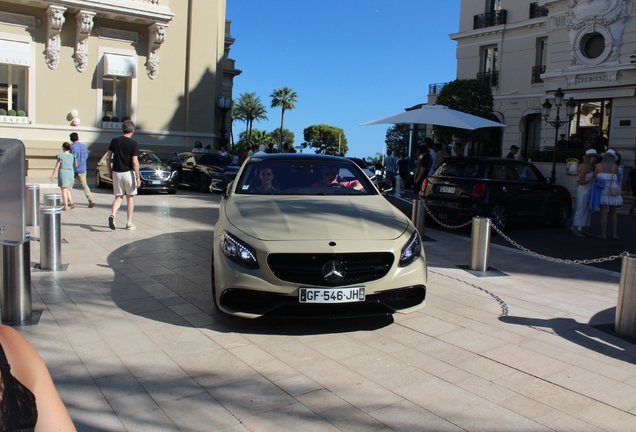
(111, 222)
(91, 204)
(72, 206)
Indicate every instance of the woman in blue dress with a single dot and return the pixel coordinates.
(66, 165)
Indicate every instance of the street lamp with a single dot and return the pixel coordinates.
(223, 104)
(557, 122)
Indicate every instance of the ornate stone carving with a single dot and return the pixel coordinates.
(157, 36)
(588, 17)
(55, 21)
(84, 27)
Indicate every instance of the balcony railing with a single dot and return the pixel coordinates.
(491, 78)
(537, 11)
(536, 74)
(435, 88)
(489, 19)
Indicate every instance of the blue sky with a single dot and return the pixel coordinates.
(349, 61)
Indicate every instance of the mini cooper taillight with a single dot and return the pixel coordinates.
(479, 190)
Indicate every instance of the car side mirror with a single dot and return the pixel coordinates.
(230, 175)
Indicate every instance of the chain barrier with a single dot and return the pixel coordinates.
(442, 223)
(524, 249)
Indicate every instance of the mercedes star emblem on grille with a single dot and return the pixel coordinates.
(333, 271)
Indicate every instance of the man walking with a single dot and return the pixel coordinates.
(81, 156)
(124, 152)
(389, 167)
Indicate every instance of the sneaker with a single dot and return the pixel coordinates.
(91, 204)
(130, 227)
(111, 222)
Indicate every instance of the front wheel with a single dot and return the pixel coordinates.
(98, 181)
(561, 215)
(203, 184)
(499, 216)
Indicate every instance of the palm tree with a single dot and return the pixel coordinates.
(248, 107)
(285, 98)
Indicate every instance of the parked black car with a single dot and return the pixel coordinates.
(505, 190)
(205, 171)
(155, 175)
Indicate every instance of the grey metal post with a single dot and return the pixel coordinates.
(418, 216)
(50, 238)
(626, 306)
(479, 244)
(15, 282)
(52, 200)
(32, 205)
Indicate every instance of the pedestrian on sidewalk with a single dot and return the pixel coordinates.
(631, 180)
(124, 152)
(608, 171)
(389, 167)
(81, 156)
(65, 169)
(583, 214)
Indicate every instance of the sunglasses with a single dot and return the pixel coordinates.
(330, 173)
(267, 174)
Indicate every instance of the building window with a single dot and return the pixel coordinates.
(13, 89)
(537, 11)
(593, 45)
(115, 99)
(490, 66)
(540, 61)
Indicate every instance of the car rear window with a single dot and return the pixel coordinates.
(464, 169)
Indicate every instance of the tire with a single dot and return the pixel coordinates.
(172, 191)
(203, 184)
(498, 215)
(562, 215)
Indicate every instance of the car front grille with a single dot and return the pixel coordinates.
(307, 269)
(154, 175)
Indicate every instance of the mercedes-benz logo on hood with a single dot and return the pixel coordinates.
(333, 271)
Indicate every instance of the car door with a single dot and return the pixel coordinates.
(504, 187)
(174, 162)
(188, 166)
(538, 198)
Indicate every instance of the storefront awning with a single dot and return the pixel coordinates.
(16, 53)
(119, 65)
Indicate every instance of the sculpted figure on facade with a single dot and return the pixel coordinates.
(55, 21)
(157, 37)
(84, 27)
(604, 19)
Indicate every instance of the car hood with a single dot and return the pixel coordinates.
(278, 218)
(153, 166)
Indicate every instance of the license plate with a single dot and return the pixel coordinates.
(331, 295)
(446, 189)
(156, 182)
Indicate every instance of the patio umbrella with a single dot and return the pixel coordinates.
(437, 115)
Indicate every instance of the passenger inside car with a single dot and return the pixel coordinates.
(330, 179)
(266, 177)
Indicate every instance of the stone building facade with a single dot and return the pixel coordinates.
(83, 66)
(526, 50)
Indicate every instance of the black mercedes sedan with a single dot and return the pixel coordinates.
(205, 171)
(504, 190)
(155, 175)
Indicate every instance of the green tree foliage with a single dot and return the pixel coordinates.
(397, 139)
(469, 96)
(258, 137)
(325, 139)
(288, 137)
(247, 108)
(285, 98)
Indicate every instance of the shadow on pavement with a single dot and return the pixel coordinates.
(597, 336)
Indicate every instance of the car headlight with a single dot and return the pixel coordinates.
(239, 252)
(411, 250)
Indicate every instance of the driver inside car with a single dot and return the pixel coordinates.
(330, 179)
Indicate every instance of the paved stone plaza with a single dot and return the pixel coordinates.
(133, 342)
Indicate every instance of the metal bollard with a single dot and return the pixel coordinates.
(50, 238)
(625, 323)
(418, 216)
(15, 282)
(52, 200)
(479, 244)
(32, 205)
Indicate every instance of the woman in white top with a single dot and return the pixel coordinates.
(608, 171)
(198, 148)
(583, 214)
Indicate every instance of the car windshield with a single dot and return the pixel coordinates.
(458, 168)
(212, 159)
(148, 157)
(303, 177)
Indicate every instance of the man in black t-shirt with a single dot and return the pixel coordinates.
(124, 153)
(403, 170)
(424, 167)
